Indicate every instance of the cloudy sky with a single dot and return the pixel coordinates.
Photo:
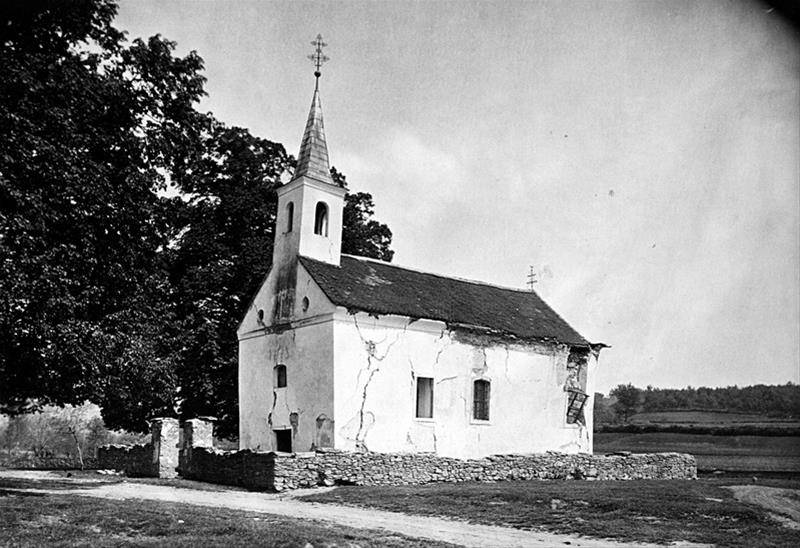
(644, 157)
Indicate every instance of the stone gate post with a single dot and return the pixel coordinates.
(195, 433)
(165, 447)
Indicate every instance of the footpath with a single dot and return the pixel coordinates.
(432, 528)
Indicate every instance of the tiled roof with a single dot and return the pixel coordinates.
(382, 288)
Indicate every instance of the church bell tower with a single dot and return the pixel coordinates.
(310, 206)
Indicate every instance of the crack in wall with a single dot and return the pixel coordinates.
(274, 403)
(441, 350)
(371, 348)
(508, 355)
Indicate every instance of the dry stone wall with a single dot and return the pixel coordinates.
(238, 468)
(334, 467)
(157, 459)
(280, 471)
(135, 460)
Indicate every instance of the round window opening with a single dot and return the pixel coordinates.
(305, 304)
(260, 315)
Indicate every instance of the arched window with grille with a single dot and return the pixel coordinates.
(280, 376)
(480, 399)
(289, 216)
(321, 219)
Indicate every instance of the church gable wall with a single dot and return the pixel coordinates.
(297, 408)
(303, 409)
(378, 366)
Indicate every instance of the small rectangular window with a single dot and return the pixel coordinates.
(280, 376)
(480, 400)
(424, 398)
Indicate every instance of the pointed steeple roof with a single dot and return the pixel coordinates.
(312, 161)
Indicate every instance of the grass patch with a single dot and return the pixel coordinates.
(732, 453)
(643, 511)
(87, 479)
(699, 417)
(69, 520)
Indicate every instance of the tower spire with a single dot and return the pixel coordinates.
(312, 161)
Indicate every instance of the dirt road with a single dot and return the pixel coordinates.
(784, 503)
(456, 532)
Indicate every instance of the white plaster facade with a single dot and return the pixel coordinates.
(351, 377)
(351, 384)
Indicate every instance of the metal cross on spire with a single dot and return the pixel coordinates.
(318, 58)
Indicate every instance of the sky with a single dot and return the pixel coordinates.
(643, 157)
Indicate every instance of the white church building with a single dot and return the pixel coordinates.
(351, 353)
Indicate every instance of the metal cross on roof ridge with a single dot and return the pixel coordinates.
(532, 278)
(318, 58)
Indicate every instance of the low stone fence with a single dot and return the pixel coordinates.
(276, 471)
(198, 460)
(27, 461)
(158, 459)
(239, 468)
(331, 468)
(135, 460)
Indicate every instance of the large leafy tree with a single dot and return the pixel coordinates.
(110, 291)
(89, 127)
(224, 251)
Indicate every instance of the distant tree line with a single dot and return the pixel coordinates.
(769, 400)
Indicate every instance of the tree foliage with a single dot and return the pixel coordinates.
(628, 400)
(111, 289)
(88, 128)
(222, 256)
(772, 400)
(69, 431)
(361, 234)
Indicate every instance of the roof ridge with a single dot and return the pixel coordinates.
(358, 285)
(458, 278)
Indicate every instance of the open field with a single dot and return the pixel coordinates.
(730, 453)
(33, 520)
(645, 511)
(710, 418)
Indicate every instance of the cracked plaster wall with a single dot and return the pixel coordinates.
(304, 344)
(378, 360)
